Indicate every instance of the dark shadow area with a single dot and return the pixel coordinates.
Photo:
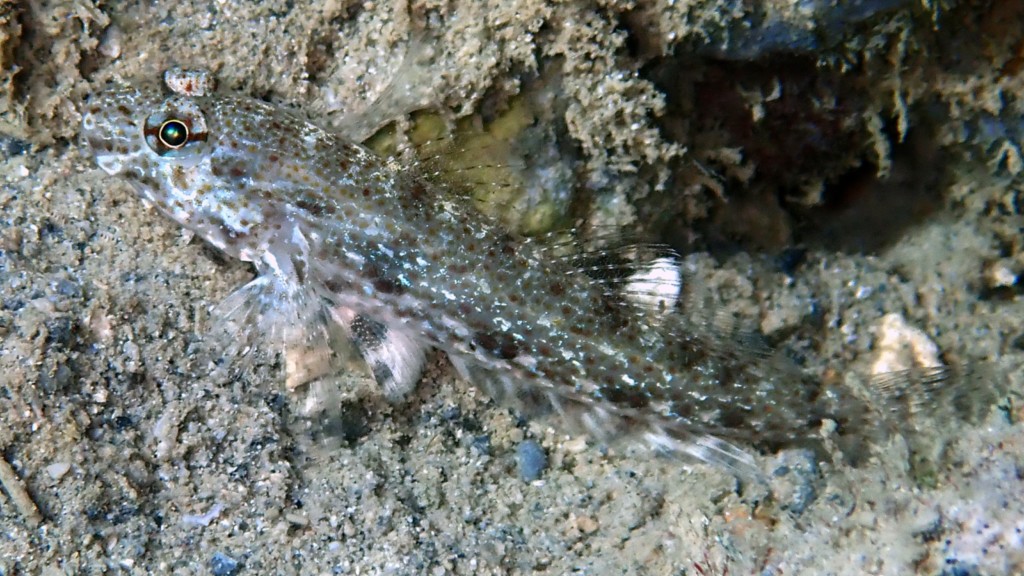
(787, 147)
(864, 213)
(784, 153)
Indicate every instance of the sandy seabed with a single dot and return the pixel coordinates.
(119, 453)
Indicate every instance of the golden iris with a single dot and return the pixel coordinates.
(173, 134)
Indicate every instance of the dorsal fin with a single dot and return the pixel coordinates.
(651, 279)
(938, 393)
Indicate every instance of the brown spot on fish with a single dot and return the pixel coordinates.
(501, 344)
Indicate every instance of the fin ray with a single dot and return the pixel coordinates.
(394, 354)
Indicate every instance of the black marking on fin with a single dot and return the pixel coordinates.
(367, 334)
(382, 372)
(394, 356)
(650, 279)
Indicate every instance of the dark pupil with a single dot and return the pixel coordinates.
(173, 134)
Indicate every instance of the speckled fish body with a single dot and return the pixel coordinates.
(331, 226)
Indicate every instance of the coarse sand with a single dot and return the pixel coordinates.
(121, 452)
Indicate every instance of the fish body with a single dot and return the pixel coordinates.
(341, 235)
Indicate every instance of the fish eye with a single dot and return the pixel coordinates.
(176, 129)
(173, 133)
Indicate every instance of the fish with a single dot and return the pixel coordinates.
(350, 245)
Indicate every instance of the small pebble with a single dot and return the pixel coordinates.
(57, 470)
(12, 304)
(66, 287)
(532, 460)
(482, 444)
(193, 520)
(111, 42)
(59, 332)
(11, 146)
(61, 377)
(451, 413)
(794, 474)
(959, 570)
(999, 275)
(223, 565)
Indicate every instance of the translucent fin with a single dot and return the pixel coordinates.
(269, 315)
(508, 170)
(707, 448)
(655, 286)
(651, 280)
(928, 406)
(645, 276)
(906, 392)
(440, 155)
(699, 315)
(394, 354)
(910, 397)
(610, 423)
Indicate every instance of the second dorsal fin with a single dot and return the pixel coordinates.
(652, 280)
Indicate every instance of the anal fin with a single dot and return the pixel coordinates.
(607, 422)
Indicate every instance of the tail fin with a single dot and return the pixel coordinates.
(928, 406)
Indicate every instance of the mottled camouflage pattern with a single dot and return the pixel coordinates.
(331, 226)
